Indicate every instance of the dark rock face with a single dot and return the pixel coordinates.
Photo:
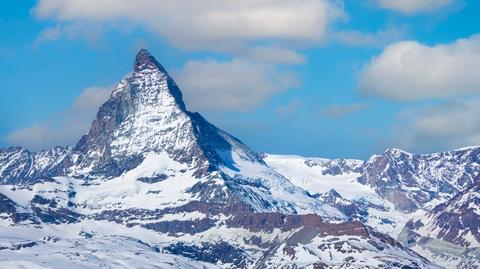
(409, 181)
(185, 227)
(41, 210)
(301, 229)
(450, 231)
(109, 117)
(132, 217)
(213, 253)
(57, 216)
(154, 179)
(458, 216)
(354, 210)
(211, 192)
(267, 222)
(43, 201)
(48, 211)
(9, 208)
(19, 246)
(144, 60)
(20, 166)
(7, 205)
(338, 166)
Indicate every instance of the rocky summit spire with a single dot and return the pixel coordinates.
(144, 114)
(144, 60)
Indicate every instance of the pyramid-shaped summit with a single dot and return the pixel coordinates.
(145, 60)
(146, 113)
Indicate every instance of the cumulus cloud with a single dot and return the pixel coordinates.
(231, 85)
(414, 6)
(443, 126)
(65, 127)
(211, 24)
(409, 70)
(339, 111)
(260, 37)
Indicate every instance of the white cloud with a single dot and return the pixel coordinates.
(440, 127)
(289, 108)
(409, 70)
(89, 32)
(274, 54)
(49, 34)
(211, 24)
(231, 85)
(338, 111)
(365, 39)
(65, 127)
(414, 6)
(90, 99)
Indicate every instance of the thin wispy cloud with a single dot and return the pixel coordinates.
(64, 127)
(339, 111)
(411, 7)
(289, 108)
(367, 39)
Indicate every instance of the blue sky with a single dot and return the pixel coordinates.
(313, 77)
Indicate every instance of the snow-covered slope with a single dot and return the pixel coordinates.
(86, 250)
(227, 235)
(335, 182)
(316, 176)
(76, 221)
(443, 226)
(457, 220)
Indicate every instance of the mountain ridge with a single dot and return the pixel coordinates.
(149, 169)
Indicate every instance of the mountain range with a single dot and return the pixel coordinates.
(153, 185)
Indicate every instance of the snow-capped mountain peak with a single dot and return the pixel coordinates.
(145, 113)
(144, 60)
(146, 116)
(151, 171)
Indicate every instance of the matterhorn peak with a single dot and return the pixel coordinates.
(146, 114)
(145, 60)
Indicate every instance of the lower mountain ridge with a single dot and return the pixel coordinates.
(153, 185)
